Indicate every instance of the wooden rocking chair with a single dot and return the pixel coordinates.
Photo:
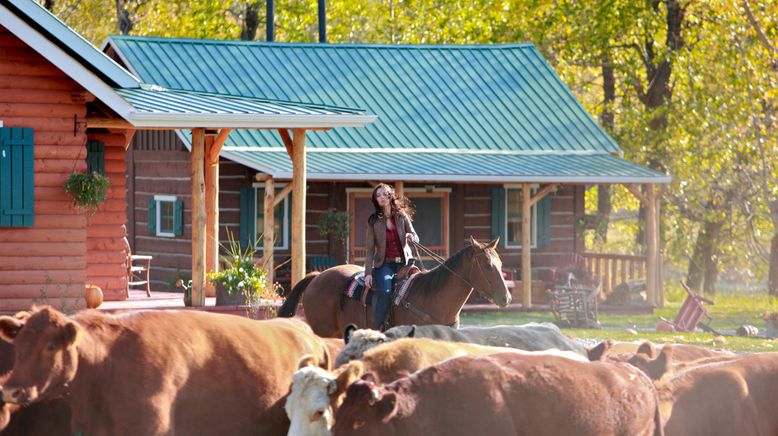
(138, 271)
(575, 306)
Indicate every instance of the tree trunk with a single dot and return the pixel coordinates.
(250, 21)
(703, 266)
(772, 276)
(604, 206)
(123, 17)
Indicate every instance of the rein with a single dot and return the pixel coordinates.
(442, 263)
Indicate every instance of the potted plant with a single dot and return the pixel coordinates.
(89, 190)
(241, 281)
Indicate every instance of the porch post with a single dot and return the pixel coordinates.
(213, 146)
(652, 243)
(298, 205)
(198, 216)
(399, 189)
(268, 238)
(526, 245)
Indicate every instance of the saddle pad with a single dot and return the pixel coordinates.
(404, 287)
(355, 289)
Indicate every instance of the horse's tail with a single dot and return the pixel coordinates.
(289, 308)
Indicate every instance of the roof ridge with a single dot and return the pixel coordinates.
(496, 46)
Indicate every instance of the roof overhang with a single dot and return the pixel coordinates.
(424, 166)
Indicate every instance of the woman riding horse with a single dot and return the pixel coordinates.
(389, 232)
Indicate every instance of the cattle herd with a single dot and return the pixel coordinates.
(195, 373)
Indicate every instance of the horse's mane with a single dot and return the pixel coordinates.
(431, 281)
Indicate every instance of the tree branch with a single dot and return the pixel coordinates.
(759, 32)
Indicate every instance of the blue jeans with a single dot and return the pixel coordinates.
(382, 283)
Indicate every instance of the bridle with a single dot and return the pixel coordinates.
(474, 261)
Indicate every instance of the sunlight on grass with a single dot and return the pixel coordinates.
(728, 314)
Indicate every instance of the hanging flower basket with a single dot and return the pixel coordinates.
(88, 190)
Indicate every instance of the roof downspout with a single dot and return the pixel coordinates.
(322, 21)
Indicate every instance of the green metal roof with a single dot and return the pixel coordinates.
(475, 112)
(155, 105)
(476, 97)
(71, 42)
(446, 166)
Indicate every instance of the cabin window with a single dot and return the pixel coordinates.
(513, 219)
(95, 157)
(281, 221)
(252, 217)
(166, 215)
(17, 174)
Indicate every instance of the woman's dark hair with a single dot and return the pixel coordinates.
(399, 205)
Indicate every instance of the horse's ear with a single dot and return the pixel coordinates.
(493, 244)
(475, 243)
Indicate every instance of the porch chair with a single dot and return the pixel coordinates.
(575, 306)
(320, 263)
(691, 313)
(138, 270)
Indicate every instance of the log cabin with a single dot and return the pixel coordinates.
(486, 140)
(66, 107)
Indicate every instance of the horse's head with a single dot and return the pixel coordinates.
(486, 275)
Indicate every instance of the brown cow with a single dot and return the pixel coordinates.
(736, 397)
(664, 365)
(316, 394)
(623, 350)
(505, 394)
(159, 372)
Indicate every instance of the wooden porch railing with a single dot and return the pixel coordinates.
(613, 269)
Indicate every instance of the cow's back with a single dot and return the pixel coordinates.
(223, 374)
(529, 337)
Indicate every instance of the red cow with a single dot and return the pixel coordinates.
(159, 372)
(505, 394)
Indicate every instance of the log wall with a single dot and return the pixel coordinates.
(45, 263)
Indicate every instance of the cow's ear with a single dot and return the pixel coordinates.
(598, 353)
(69, 333)
(10, 327)
(307, 360)
(386, 406)
(349, 375)
(348, 331)
(648, 349)
(412, 331)
(661, 365)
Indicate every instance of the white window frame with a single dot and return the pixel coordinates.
(260, 206)
(533, 220)
(159, 199)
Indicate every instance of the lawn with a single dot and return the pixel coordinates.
(729, 312)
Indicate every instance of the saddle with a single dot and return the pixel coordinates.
(355, 287)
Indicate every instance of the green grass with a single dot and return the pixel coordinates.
(728, 314)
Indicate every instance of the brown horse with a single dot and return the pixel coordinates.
(435, 296)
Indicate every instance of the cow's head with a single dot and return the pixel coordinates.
(359, 342)
(315, 395)
(366, 410)
(45, 354)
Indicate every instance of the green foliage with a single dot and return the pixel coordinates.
(719, 117)
(241, 275)
(88, 190)
(333, 222)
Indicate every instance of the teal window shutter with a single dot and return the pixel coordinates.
(498, 213)
(17, 176)
(152, 219)
(95, 157)
(178, 223)
(544, 220)
(248, 216)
